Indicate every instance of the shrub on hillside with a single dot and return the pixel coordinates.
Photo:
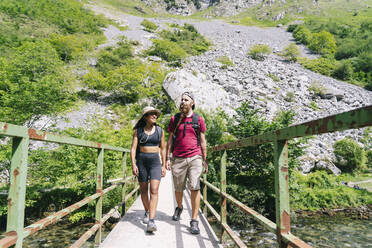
(259, 51)
(167, 50)
(225, 61)
(343, 70)
(350, 156)
(302, 34)
(95, 80)
(112, 57)
(32, 84)
(323, 43)
(291, 52)
(323, 66)
(187, 37)
(68, 15)
(149, 25)
(291, 27)
(71, 46)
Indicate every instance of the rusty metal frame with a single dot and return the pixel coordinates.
(356, 118)
(16, 232)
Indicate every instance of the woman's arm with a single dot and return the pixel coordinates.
(163, 153)
(133, 151)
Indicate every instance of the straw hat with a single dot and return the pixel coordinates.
(150, 109)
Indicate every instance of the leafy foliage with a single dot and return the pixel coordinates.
(69, 15)
(291, 52)
(323, 43)
(350, 156)
(323, 66)
(32, 83)
(225, 61)
(259, 52)
(178, 43)
(302, 34)
(149, 25)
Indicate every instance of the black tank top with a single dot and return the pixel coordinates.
(149, 140)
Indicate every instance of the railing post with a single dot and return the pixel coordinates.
(17, 190)
(99, 189)
(223, 190)
(281, 190)
(124, 187)
(205, 209)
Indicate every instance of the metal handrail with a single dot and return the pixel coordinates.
(356, 118)
(15, 232)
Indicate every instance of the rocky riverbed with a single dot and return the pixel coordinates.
(270, 86)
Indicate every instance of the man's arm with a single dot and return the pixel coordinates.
(203, 144)
(169, 147)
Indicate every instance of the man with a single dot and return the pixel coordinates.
(188, 146)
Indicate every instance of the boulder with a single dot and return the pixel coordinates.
(208, 96)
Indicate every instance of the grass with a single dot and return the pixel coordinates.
(131, 7)
(274, 77)
(224, 60)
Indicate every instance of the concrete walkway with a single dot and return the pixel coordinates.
(131, 232)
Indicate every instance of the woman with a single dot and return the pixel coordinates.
(147, 139)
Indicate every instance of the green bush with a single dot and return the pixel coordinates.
(32, 84)
(149, 25)
(323, 66)
(289, 96)
(343, 70)
(291, 52)
(318, 190)
(69, 15)
(188, 38)
(323, 43)
(302, 34)
(313, 105)
(72, 46)
(369, 158)
(259, 51)
(350, 156)
(167, 50)
(291, 27)
(225, 61)
(95, 80)
(113, 57)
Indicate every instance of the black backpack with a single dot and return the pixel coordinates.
(194, 123)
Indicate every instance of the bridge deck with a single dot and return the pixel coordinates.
(131, 232)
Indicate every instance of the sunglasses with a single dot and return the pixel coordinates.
(151, 113)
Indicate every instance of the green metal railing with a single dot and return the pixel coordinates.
(357, 118)
(15, 230)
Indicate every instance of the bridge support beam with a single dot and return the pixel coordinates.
(281, 191)
(99, 189)
(223, 198)
(17, 190)
(205, 187)
(124, 187)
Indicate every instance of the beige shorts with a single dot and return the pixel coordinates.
(188, 169)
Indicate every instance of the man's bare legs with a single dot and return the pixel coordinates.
(179, 196)
(195, 203)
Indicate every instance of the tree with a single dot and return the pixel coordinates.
(323, 43)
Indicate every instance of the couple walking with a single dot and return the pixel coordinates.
(186, 143)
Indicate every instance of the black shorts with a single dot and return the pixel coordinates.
(149, 166)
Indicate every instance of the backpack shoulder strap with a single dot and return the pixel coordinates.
(196, 126)
(159, 130)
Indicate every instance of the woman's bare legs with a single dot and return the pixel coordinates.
(154, 188)
(145, 195)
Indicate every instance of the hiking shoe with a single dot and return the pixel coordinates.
(146, 217)
(194, 228)
(177, 214)
(151, 227)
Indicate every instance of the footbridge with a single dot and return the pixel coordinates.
(129, 231)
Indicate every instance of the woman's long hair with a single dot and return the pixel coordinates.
(140, 123)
